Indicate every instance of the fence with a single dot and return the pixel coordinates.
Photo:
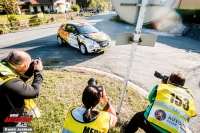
(13, 26)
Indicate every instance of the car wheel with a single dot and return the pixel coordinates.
(60, 40)
(83, 49)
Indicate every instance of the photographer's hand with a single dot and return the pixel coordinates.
(38, 65)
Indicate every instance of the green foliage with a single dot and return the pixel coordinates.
(34, 21)
(1, 31)
(83, 3)
(10, 6)
(12, 17)
(93, 4)
(189, 15)
(75, 8)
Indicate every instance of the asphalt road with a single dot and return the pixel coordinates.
(170, 53)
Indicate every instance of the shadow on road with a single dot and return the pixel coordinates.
(52, 53)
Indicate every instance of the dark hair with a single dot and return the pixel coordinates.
(90, 98)
(177, 78)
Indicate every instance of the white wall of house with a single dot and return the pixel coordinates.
(31, 8)
(61, 6)
(46, 8)
(39, 9)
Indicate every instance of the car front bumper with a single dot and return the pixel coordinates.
(102, 49)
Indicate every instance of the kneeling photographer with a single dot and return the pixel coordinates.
(171, 107)
(87, 118)
(16, 95)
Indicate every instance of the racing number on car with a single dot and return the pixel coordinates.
(179, 101)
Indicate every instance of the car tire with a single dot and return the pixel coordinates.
(60, 40)
(83, 49)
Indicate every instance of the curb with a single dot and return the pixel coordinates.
(132, 85)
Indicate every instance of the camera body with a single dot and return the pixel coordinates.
(164, 78)
(30, 70)
(93, 81)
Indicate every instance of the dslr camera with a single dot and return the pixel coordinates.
(93, 81)
(164, 78)
(30, 70)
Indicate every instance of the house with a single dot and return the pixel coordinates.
(41, 6)
(45, 6)
(189, 4)
(62, 6)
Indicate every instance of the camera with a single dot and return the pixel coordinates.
(30, 70)
(93, 81)
(164, 78)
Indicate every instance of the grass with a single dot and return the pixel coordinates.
(3, 18)
(62, 89)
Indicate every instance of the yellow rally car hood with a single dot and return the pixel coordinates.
(98, 36)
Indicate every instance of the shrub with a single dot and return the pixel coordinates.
(34, 21)
(1, 31)
(75, 8)
(12, 18)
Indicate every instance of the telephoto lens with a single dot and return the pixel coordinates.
(92, 81)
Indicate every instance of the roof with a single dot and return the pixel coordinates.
(80, 23)
(41, 1)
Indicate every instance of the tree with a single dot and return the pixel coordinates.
(93, 4)
(10, 6)
(83, 3)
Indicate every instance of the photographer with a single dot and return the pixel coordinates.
(87, 118)
(170, 110)
(13, 89)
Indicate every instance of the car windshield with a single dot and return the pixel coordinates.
(86, 29)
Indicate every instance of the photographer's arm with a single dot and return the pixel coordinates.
(24, 90)
(109, 108)
(152, 94)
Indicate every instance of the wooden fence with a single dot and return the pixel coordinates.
(13, 26)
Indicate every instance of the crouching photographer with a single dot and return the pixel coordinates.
(16, 95)
(87, 118)
(171, 107)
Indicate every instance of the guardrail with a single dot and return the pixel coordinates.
(7, 27)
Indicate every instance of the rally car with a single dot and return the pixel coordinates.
(83, 36)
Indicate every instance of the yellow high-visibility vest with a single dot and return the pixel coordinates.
(172, 109)
(99, 125)
(29, 105)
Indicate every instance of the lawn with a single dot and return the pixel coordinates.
(62, 89)
(3, 18)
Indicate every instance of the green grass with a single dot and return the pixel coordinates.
(3, 18)
(62, 89)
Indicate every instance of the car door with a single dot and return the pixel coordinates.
(73, 33)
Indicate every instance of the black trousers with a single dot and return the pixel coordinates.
(138, 121)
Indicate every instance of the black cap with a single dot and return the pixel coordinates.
(92, 81)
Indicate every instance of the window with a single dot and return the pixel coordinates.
(67, 6)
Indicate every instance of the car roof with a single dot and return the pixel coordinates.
(78, 23)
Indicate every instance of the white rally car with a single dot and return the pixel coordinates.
(83, 36)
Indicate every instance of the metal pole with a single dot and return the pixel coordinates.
(134, 47)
